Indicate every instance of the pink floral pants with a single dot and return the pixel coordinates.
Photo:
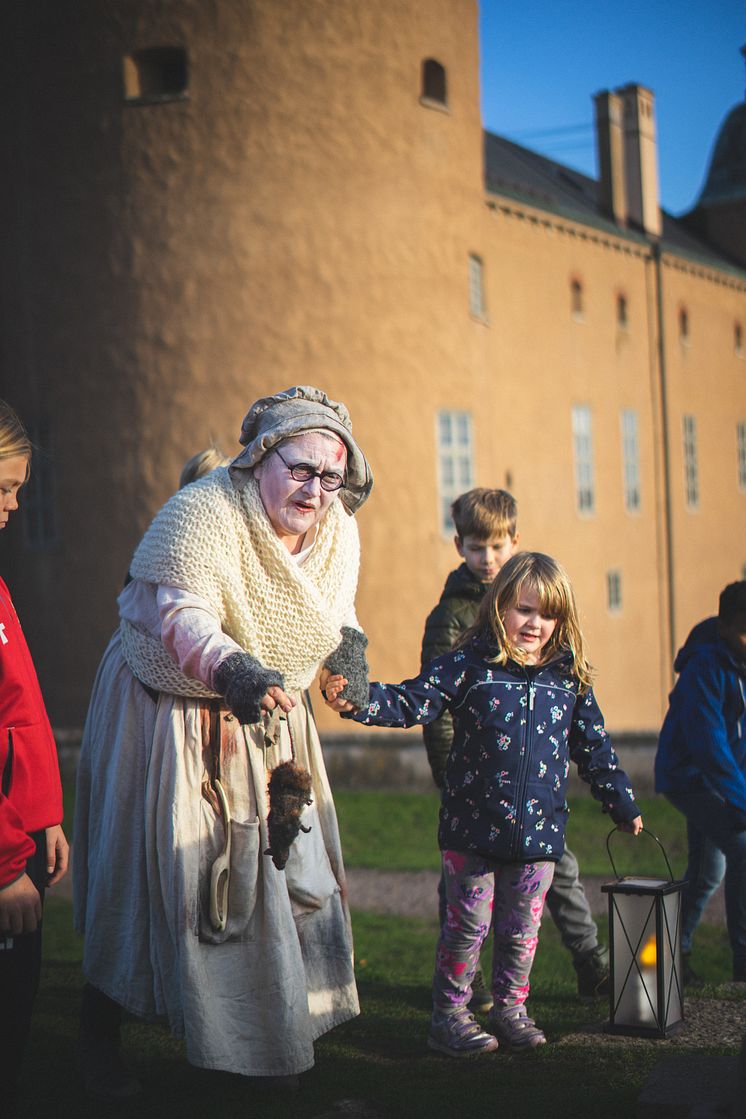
(481, 893)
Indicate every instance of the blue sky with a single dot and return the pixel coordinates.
(542, 61)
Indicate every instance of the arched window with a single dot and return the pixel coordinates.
(155, 74)
(622, 316)
(577, 306)
(683, 324)
(434, 85)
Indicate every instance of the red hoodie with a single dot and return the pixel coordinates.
(30, 792)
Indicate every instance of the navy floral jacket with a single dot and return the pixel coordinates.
(515, 729)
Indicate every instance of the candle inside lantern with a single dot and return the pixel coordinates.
(644, 984)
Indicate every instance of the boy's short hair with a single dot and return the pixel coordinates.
(732, 601)
(485, 513)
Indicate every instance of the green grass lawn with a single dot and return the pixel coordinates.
(398, 831)
(378, 1061)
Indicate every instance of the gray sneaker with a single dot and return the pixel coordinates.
(514, 1029)
(459, 1035)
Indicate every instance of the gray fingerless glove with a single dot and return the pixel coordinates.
(243, 681)
(348, 659)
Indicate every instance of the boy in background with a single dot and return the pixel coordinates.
(701, 768)
(486, 537)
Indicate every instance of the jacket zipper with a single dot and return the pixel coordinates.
(521, 782)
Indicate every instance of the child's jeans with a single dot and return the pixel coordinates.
(473, 886)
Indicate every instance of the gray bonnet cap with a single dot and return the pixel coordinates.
(273, 419)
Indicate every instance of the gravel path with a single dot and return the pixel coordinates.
(415, 893)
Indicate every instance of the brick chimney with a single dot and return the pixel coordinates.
(640, 159)
(610, 148)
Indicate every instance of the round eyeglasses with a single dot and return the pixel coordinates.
(329, 480)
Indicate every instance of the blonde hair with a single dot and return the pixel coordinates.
(549, 580)
(14, 441)
(200, 464)
(485, 514)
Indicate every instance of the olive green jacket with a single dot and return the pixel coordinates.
(455, 612)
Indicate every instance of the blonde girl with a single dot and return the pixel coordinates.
(519, 690)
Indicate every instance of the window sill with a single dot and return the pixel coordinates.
(431, 103)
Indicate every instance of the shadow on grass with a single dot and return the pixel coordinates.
(377, 1065)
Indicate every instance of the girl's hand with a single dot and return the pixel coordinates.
(634, 827)
(331, 686)
(58, 851)
(276, 697)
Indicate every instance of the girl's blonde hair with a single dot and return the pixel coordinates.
(204, 462)
(14, 441)
(549, 580)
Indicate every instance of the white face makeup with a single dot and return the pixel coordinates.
(12, 476)
(526, 627)
(296, 507)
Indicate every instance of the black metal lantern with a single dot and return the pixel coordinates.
(646, 990)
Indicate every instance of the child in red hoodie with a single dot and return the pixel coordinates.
(33, 848)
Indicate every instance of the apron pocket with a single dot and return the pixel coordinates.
(242, 877)
(308, 871)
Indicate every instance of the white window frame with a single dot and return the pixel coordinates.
(631, 460)
(454, 441)
(582, 444)
(691, 462)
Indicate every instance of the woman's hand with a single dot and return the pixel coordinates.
(331, 686)
(58, 852)
(634, 827)
(276, 697)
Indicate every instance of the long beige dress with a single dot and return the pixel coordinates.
(146, 836)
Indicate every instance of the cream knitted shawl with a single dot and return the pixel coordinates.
(218, 542)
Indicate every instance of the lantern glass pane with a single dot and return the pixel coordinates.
(672, 983)
(635, 984)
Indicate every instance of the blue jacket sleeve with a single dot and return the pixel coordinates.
(701, 696)
(413, 702)
(597, 762)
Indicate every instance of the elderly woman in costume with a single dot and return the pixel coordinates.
(242, 589)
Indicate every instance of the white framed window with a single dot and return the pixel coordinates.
(741, 443)
(691, 466)
(477, 305)
(630, 460)
(455, 462)
(614, 590)
(39, 502)
(582, 442)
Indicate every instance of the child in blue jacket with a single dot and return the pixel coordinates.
(701, 767)
(519, 691)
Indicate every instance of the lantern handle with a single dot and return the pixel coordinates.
(647, 831)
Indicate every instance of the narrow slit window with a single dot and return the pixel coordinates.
(738, 340)
(455, 462)
(691, 464)
(741, 442)
(582, 438)
(614, 591)
(684, 325)
(477, 305)
(577, 303)
(622, 312)
(39, 505)
(434, 82)
(155, 74)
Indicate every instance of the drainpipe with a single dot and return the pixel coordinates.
(665, 439)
